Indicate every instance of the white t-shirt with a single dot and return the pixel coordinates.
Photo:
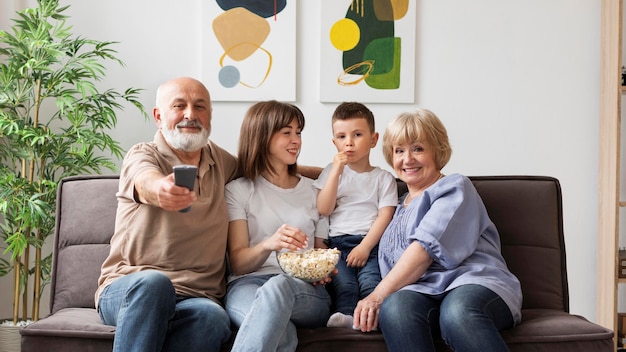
(359, 197)
(266, 207)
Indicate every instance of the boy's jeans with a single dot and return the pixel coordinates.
(352, 284)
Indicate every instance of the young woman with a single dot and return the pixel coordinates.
(271, 208)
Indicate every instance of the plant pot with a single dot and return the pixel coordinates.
(9, 338)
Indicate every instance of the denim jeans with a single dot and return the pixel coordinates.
(468, 318)
(352, 284)
(268, 309)
(149, 316)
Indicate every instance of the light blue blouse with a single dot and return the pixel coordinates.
(450, 221)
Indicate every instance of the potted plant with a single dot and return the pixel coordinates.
(54, 123)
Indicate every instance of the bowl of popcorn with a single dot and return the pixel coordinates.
(311, 265)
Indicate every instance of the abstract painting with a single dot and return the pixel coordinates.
(367, 51)
(248, 49)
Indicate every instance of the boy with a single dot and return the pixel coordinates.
(360, 200)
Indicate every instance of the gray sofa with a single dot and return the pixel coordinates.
(526, 210)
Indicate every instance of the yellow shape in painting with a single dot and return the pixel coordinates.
(345, 34)
(237, 26)
(400, 7)
(390, 10)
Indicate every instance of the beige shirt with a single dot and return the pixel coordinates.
(190, 248)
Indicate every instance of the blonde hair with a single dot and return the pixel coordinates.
(261, 121)
(421, 126)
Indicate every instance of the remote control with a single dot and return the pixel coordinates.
(185, 175)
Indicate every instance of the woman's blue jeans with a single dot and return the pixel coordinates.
(468, 318)
(269, 308)
(352, 284)
(149, 316)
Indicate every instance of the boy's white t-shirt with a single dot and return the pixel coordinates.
(359, 197)
(266, 207)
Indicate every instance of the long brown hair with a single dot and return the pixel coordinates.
(261, 121)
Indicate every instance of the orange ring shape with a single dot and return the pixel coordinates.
(269, 67)
(370, 68)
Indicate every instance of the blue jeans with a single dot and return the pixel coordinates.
(352, 284)
(149, 316)
(468, 318)
(267, 309)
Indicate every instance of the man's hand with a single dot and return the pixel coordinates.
(173, 197)
(155, 189)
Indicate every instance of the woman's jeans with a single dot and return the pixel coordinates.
(352, 284)
(149, 316)
(268, 309)
(468, 318)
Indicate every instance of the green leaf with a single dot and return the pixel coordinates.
(56, 120)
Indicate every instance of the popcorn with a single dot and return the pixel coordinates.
(311, 265)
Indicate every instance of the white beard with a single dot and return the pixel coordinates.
(187, 142)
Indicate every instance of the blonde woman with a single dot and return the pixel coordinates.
(440, 261)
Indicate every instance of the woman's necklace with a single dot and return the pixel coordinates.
(409, 198)
(405, 204)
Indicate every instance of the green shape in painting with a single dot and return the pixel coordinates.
(386, 54)
(371, 28)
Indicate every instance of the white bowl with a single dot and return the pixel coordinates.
(311, 265)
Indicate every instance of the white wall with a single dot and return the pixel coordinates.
(515, 82)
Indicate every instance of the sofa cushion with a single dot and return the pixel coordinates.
(339, 340)
(69, 329)
(85, 221)
(528, 213)
(71, 322)
(547, 330)
(547, 325)
(541, 330)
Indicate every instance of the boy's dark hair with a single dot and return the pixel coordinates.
(354, 110)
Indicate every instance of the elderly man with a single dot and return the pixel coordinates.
(163, 280)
